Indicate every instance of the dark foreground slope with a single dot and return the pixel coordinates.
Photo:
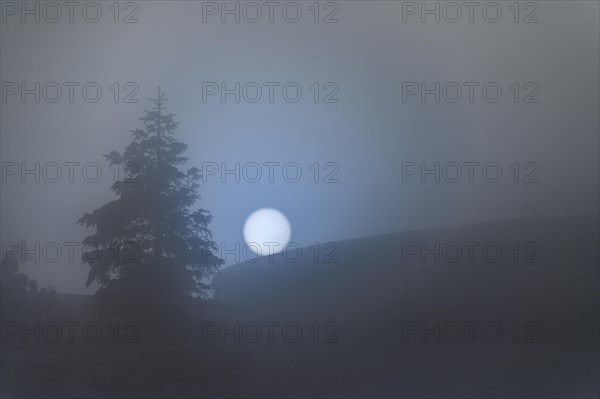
(386, 322)
(379, 322)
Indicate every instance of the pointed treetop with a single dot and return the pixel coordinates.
(159, 100)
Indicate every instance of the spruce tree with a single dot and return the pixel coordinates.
(150, 245)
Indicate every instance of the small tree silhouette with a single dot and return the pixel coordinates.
(20, 297)
(149, 245)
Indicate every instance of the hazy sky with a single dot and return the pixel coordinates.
(364, 139)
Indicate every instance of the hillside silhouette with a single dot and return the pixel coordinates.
(372, 291)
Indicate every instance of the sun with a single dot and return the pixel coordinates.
(267, 231)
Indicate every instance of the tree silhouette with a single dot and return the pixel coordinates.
(20, 297)
(149, 245)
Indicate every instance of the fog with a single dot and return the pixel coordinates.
(361, 133)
